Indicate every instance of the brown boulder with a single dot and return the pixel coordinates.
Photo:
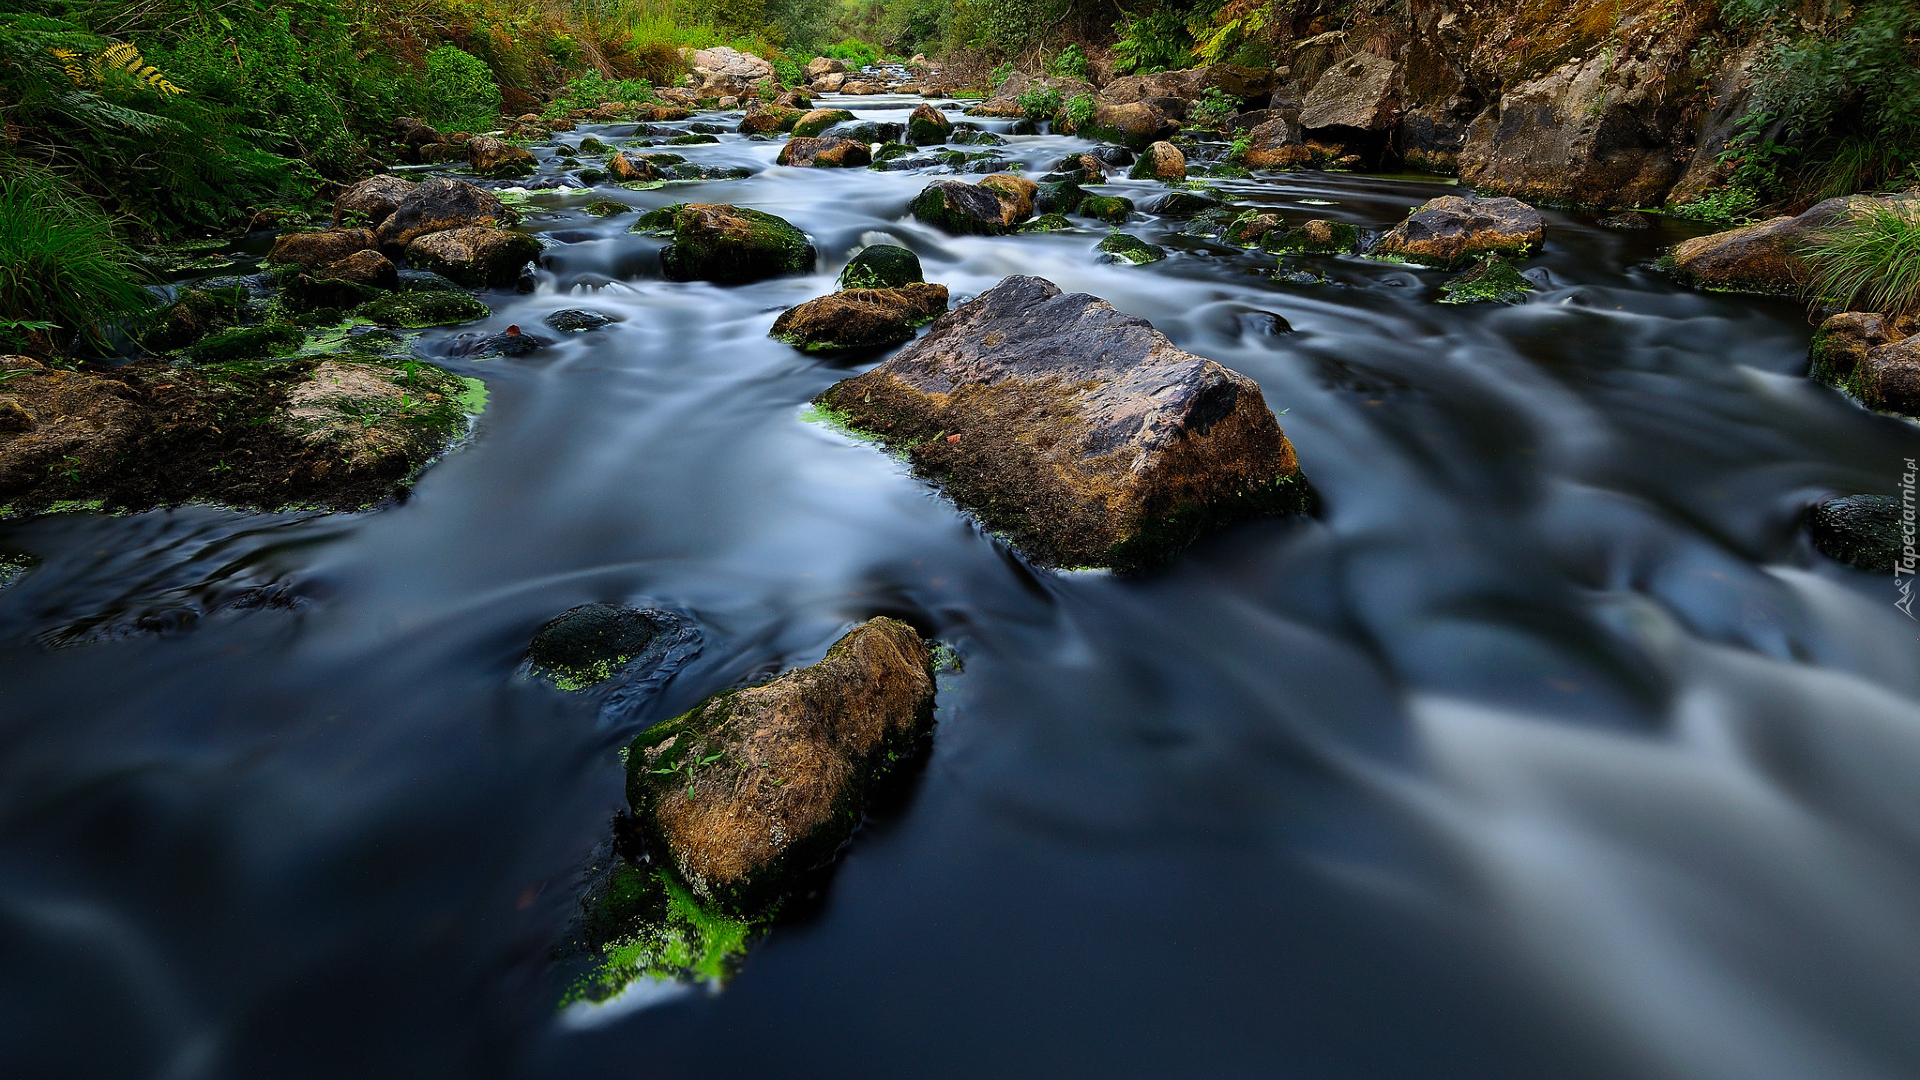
(1889, 377)
(1360, 93)
(633, 170)
(474, 256)
(1451, 231)
(311, 249)
(1016, 195)
(860, 318)
(491, 157)
(984, 209)
(436, 206)
(767, 119)
(1192, 84)
(1276, 144)
(821, 66)
(830, 84)
(1080, 432)
(825, 154)
(371, 199)
(1161, 161)
(754, 786)
(369, 268)
(1844, 340)
(1137, 125)
(1765, 257)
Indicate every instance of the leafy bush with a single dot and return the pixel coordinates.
(1039, 102)
(1014, 26)
(1731, 205)
(461, 93)
(1155, 41)
(789, 71)
(1070, 64)
(591, 89)
(1215, 108)
(1078, 112)
(62, 266)
(855, 53)
(998, 77)
(1872, 263)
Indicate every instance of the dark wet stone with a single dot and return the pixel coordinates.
(591, 643)
(1181, 204)
(577, 320)
(1862, 530)
(882, 266)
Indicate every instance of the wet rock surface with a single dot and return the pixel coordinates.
(436, 206)
(475, 256)
(1080, 432)
(755, 786)
(860, 318)
(1451, 231)
(1865, 531)
(881, 266)
(728, 244)
(825, 153)
(983, 208)
(591, 643)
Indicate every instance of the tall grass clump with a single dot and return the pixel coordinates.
(1872, 263)
(65, 273)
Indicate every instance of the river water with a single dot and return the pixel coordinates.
(1548, 748)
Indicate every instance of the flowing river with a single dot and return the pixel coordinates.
(1548, 748)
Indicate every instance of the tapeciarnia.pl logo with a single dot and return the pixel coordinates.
(1903, 570)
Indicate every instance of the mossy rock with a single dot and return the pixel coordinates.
(1046, 223)
(607, 208)
(890, 151)
(1493, 280)
(590, 644)
(1316, 237)
(860, 318)
(195, 313)
(591, 145)
(692, 140)
(592, 176)
(1132, 249)
(881, 266)
(1112, 209)
(730, 245)
(419, 310)
(811, 125)
(750, 789)
(1182, 204)
(927, 126)
(248, 343)
(1060, 197)
(638, 922)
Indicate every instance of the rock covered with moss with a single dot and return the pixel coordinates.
(1841, 345)
(928, 126)
(1316, 237)
(314, 249)
(768, 119)
(1493, 280)
(985, 209)
(812, 124)
(372, 200)
(1770, 256)
(1112, 209)
(755, 786)
(727, 244)
(860, 318)
(499, 160)
(1080, 432)
(1131, 249)
(475, 256)
(1451, 231)
(591, 643)
(436, 206)
(1136, 124)
(1160, 161)
(881, 266)
(825, 154)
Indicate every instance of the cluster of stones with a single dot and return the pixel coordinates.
(443, 225)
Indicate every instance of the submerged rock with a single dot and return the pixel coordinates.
(589, 644)
(422, 309)
(1132, 249)
(811, 125)
(1316, 237)
(1450, 231)
(728, 244)
(987, 209)
(825, 154)
(476, 256)
(881, 266)
(755, 786)
(577, 320)
(1493, 280)
(860, 318)
(1252, 227)
(1080, 432)
(1862, 530)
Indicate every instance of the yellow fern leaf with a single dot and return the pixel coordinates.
(124, 56)
(70, 60)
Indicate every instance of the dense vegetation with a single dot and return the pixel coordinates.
(146, 120)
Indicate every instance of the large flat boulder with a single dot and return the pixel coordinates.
(315, 249)
(1361, 93)
(436, 206)
(755, 786)
(985, 209)
(371, 200)
(476, 256)
(1078, 431)
(860, 318)
(825, 154)
(1452, 231)
(1768, 256)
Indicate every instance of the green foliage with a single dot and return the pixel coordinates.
(1157, 40)
(590, 89)
(1012, 26)
(1732, 205)
(1070, 64)
(1240, 149)
(61, 264)
(1039, 102)
(461, 92)
(1078, 112)
(855, 53)
(998, 77)
(1214, 108)
(1872, 263)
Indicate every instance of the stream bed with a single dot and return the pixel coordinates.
(1548, 747)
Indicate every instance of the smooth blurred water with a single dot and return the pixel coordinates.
(1550, 748)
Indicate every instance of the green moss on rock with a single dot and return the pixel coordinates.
(419, 310)
(1493, 280)
(881, 266)
(1132, 249)
(248, 343)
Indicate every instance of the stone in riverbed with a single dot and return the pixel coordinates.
(1276, 144)
(928, 126)
(312, 249)
(1316, 237)
(475, 256)
(1889, 378)
(1844, 340)
(1136, 125)
(1182, 204)
(755, 786)
(1766, 257)
(367, 268)
(493, 158)
(727, 244)
(590, 644)
(1250, 228)
(1862, 530)
(577, 320)
(1450, 231)
(983, 209)
(860, 318)
(633, 170)
(825, 154)
(1080, 432)
(1161, 161)
(1112, 209)
(371, 200)
(881, 266)
(768, 119)
(1493, 280)
(811, 125)
(1132, 249)
(436, 206)
(417, 310)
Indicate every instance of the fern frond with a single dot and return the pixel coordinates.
(125, 56)
(70, 61)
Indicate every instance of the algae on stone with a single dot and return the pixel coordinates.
(1133, 249)
(1493, 280)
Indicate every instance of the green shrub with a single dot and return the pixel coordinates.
(1731, 205)
(1039, 102)
(1155, 41)
(854, 53)
(1215, 108)
(1872, 263)
(461, 93)
(998, 77)
(590, 89)
(1078, 112)
(62, 265)
(1070, 64)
